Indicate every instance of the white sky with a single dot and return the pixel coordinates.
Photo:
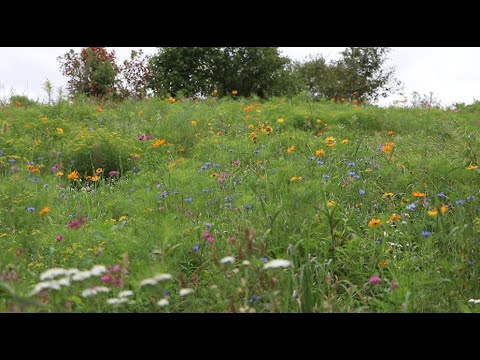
(452, 74)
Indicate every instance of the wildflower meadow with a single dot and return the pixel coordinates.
(238, 205)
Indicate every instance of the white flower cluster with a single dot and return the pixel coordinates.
(94, 291)
(156, 279)
(277, 263)
(122, 298)
(474, 301)
(55, 278)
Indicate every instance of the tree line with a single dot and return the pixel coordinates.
(360, 73)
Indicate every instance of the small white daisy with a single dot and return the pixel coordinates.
(227, 260)
(125, 294)
(163, 302)
(277, 263)
(185, 291)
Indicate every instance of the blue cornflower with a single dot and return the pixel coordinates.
(351, 164)
(208, 225)
(256, 152)
(326, 176)
(205, 190)
(426, 233)
(311, 158)
(361, 192)
(459, 202)
(470, 198)
(440, 195)
(31, 209)
(248, 207)
(263, 259)
(195, 248)
(188, 200)
(320, 162)
(411, 206)
(35, 179)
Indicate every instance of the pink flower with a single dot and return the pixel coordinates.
(375, 280)
(232, 239)
(116, 268)
(113, 173)
(393, 285)
(206, 234)
(236, 163)
(59, 237)
(210, 239)
(74, 224)
(105, 278)
(221, 180)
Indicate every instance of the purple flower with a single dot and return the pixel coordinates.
(411, 206)
(361, 192)
(210, 239)
(30, 209)
(320, 163)
(351, 164)
(440, 195)
(59, 237)
(426, 233)
(393, 285)
(206, 234)
(208, 225)
(114, 173)
(459, 202)
(195, 248)
(263, 259)
(470, 198)
(35, 179)
(74, 224)
(248, 207)
(188, 200)
(374, 280)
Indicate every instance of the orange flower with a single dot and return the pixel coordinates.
(390, 132)
(443, 208)
(253, 136)
(383, 263)
(329, 139)
(99, 109)
(433, 212)
(320, 152)
(394, 218)
(98, 171)
(331, 145)
(268, 129)
(234, 92)
(73, 175)
(215, 92)
(18, 103)
(159, 143)
(418, 194)
(59, 131)
(373, 223)
(44, 118)
(291, 149)
(44, 211)
(171, 100)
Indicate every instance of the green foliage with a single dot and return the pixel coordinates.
(360, 74)
(198, 71)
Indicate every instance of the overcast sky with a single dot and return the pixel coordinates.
(452, 74)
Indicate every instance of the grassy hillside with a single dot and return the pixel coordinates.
(183, 206)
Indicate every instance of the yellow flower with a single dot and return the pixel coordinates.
(73, 175)
(38, 142)
(383, 263)
(268, 129)
(95, 178)
(59, 131)
(472, 167)
(44, 211)
(140, 113)
(171, 99)
(280, 120)
(253, 136)
(194, 123)
(159, 143)
(388, 195)
(320, 152)
(329, 139)
(433, 212)
(215, 92)
(98, 171)
(296, 178)
(319, 121)
(373, 223)
(291, 149)
(60, 173)
(234, 92)
(418, 194)
(443, 208)
(251, 126)
(331, 145)
(123, 217)
(344, 142)
(331, 203)
(213, 175)
(394, 217)
(44, 118)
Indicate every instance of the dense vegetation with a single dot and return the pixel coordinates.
(238, 205)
